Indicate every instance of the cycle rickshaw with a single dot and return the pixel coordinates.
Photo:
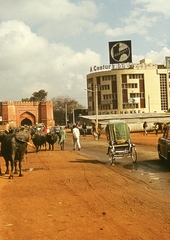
(120, 145)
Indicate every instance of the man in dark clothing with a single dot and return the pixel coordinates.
(84, 129)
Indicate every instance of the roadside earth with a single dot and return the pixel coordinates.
(68, 196)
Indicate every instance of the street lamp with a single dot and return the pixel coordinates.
(96, 103)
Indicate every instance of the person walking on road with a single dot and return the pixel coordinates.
(84, 129)
(76, 138)
(62, 136)
(145, 125)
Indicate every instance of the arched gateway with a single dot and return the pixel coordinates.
(27, 118)
(26, 113)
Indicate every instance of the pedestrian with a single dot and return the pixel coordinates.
(84, 129)
(145, 125)
(76, 137)
(95, 130)
(156, 128)
(62, 136)
(45, 129)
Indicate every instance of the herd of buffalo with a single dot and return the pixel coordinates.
(14, 145)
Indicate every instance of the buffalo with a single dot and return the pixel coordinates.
(13, 148)
(52, 139)
(39, 139)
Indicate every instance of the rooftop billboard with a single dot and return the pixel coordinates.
(120, 52)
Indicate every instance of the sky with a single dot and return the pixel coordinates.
(52, 44)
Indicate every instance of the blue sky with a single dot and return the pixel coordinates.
(51, 44)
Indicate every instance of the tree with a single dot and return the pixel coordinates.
(39, 96)
(63, 104)
(25, 100)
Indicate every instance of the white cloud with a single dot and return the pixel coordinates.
(34, 11)
(156, 57)
(61, 20)
(32, 63)
(152, 6)
(50, 18)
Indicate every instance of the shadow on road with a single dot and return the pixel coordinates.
(87, 161)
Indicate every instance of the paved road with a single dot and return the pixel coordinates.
(148, 166)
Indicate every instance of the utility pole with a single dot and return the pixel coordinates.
(73, 117)
(95, 91)
(96, 95)
(66, 113)
(132, 102)
(149, 103)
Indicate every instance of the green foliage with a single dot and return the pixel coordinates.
(63, 104)
(59, 104)
(39, 96)
(25, 100)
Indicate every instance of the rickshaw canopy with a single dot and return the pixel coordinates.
(117, 131)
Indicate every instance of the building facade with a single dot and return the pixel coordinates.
(128, 88)
(17, 114)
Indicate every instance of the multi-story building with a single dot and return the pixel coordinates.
(128, 88)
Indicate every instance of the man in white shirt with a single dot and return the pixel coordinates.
(76, 137)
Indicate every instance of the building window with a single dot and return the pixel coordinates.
(109, 78)
(129, 85)
(90, 80)
(136, 76)
(130, 105)
(104, 107)
(163, 91)
(112, 96)
(105, 87)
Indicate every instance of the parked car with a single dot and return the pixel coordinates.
(164, 144)
(55, 129)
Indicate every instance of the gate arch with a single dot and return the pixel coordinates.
(26, 121)
(27, 118)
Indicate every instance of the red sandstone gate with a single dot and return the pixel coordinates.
(26, 113)
(27, 118)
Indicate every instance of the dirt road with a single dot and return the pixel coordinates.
(67, 196)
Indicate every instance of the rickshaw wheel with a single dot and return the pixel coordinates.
(134, 155)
